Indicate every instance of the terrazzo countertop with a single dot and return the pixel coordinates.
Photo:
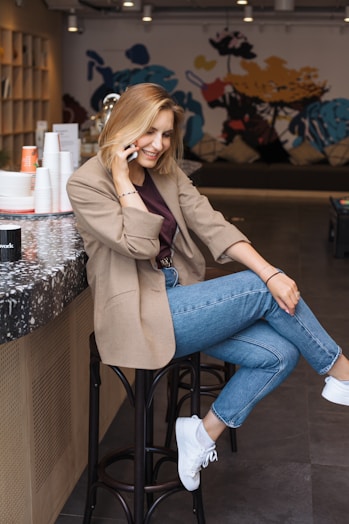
(51, 273)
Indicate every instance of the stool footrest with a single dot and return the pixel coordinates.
(128, 454)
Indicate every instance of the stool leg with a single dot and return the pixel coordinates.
(229, 370)
(173, 389)
(195, 397)
(93, 443)
(140, 450)
(149, 434)
(198, 507)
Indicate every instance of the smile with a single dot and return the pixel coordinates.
(150, 154)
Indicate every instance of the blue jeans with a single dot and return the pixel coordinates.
(236, 319)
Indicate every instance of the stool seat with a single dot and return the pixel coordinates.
(148, 459)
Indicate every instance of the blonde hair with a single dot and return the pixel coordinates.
(133, 115)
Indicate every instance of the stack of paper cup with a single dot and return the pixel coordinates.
(43, 190)
(66, 171)
(51, 160)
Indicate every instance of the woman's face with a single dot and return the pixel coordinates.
(153, 144)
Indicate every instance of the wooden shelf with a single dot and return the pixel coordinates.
(24, 92)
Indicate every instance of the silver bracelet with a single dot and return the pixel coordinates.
(127, 193)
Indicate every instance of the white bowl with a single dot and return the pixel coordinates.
(15, 184)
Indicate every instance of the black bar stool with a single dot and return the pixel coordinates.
(147, 492)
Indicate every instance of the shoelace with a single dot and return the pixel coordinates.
(208, 455)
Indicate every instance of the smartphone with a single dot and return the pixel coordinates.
(132, 156)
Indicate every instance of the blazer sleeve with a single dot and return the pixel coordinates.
(100, 217)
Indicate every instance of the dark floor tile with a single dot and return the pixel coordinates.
(328, 432)
(258, 493)
(277, 429)
(330, 499)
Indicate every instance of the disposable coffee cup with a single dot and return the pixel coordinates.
(51, 142)
(43, 200)
(66, 172)
(66, 162)
(52, 162)
(43, 180)
(43, 191)
(10, 243)
(29, 160)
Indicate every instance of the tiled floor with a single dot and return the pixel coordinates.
(292, 464)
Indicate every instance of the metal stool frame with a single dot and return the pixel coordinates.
(145, 486)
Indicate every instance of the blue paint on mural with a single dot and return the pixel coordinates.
(322, 123)
(138, 54)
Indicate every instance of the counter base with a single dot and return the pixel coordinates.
(44, 388)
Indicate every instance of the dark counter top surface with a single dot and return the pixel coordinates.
(51, 273)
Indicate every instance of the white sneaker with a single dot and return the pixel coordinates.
(335, 391)
(192, 457)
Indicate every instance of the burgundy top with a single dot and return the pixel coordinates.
(156, 204)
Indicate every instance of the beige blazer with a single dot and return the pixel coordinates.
(132, 320)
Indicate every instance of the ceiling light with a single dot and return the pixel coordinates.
(128, 4)
(147, 13)
(242, 2)
(73, 22)
(284, 5)
(248, 14)
(346, 15)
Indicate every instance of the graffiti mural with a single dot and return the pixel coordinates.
(258, 98)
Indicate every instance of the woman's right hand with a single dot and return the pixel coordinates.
(120, 166)
(125, 190)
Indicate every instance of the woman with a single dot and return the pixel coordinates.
(147, 277)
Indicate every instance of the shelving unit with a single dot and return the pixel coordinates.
(24, 94)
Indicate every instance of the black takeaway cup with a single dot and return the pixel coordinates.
(10, 243)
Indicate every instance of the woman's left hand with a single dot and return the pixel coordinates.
(285, 291)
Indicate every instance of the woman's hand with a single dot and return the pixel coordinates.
(120, 166)
(285, 292)
(282, 287)
(124, 181)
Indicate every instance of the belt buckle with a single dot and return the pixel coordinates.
(166, 262)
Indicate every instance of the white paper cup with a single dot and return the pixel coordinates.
(43, 180)
(43, 200)
(66, 159)
(51, 142)
(64, 200)
(52, 162)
